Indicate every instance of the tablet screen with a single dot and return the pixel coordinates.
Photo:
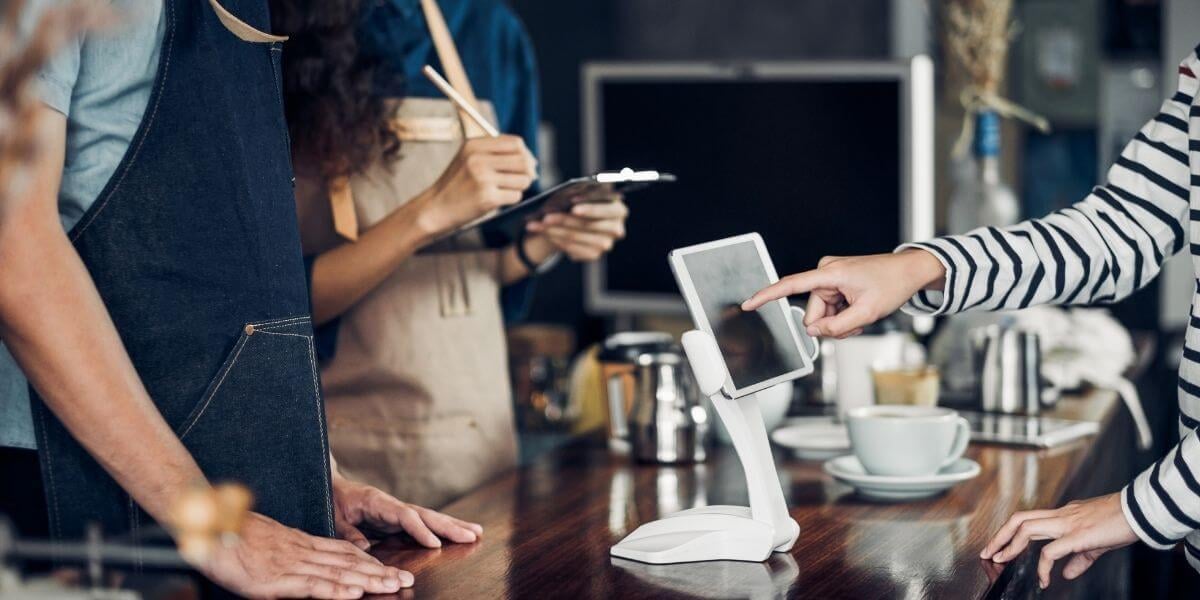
(757, 346)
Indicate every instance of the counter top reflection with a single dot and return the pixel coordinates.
(548, 527)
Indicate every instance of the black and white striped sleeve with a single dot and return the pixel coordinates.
(1099, 250)
(1162, 504)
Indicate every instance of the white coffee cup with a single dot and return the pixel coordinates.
(906, 440)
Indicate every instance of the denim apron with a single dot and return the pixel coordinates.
(194, 247)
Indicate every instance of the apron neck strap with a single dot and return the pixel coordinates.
(447, 53)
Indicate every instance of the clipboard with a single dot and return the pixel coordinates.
(503, 227)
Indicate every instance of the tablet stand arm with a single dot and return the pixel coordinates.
(743, 420)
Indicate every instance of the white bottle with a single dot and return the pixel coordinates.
(980, 198)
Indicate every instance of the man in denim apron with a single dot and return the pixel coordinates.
(192, 248)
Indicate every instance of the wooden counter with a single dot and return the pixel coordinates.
(548, 527)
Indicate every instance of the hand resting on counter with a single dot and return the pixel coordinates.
(1082, 531)
(357, 506)
(271, 560)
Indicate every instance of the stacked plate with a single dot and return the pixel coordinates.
(813, 438)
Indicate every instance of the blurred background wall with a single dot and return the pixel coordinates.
(1096, 68)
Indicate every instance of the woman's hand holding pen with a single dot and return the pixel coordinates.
(849, 293)
(488, 173)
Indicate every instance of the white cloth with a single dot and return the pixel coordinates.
(1089, 346)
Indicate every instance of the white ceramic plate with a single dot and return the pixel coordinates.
(848, 470)
(813, 438)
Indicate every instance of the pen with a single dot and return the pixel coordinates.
(459, 101)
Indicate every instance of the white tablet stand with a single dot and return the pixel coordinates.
(722, 532)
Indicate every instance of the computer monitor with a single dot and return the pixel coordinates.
(820, 158)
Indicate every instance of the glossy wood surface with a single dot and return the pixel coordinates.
(548, 527)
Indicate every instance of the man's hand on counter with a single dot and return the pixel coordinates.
(1082, 530)
(271, 560)
(358, 506)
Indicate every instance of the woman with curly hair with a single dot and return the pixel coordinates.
(416, 380)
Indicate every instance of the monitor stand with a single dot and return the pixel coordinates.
(722, 532)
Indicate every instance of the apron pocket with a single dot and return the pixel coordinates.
(261, 423)
(295, 326)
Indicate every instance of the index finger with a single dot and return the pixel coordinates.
(530, 159)
(788, 286)
(1002, 536)
(335, 547)
(604, 209)
(447, 527)
(505, 143)
(1052, 552)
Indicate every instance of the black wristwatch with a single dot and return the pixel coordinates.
(533, 267)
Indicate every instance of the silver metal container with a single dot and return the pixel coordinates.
(1011, 370)
(618, 369)
(667, 423)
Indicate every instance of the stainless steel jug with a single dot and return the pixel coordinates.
(667, 423)
(1010, 362)
(618, 368)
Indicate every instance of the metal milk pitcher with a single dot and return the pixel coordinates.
(667, 424)
(1010, 362)
(618, 369)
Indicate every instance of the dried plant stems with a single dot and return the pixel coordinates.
(977, 35)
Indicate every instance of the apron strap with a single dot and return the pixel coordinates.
(456, 75)
(345, 221)
(341, 203)
(447, 53)
(243, 30)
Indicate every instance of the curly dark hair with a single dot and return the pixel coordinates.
(335, 120)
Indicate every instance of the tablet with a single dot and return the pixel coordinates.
(1020, 430)
(761, 348)
(502, 228)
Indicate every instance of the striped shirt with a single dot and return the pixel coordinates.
(1101, 250)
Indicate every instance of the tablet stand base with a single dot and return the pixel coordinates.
(722, 532)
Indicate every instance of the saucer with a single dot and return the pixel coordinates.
(813, 438)
(848, 470)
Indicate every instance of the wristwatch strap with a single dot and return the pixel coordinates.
(533, 267)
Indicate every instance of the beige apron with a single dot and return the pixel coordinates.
(418, 393)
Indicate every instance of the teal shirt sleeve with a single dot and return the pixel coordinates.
(57, 78)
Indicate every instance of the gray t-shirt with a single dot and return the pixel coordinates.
(102, 83)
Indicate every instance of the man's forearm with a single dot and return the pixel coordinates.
(56, 326)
